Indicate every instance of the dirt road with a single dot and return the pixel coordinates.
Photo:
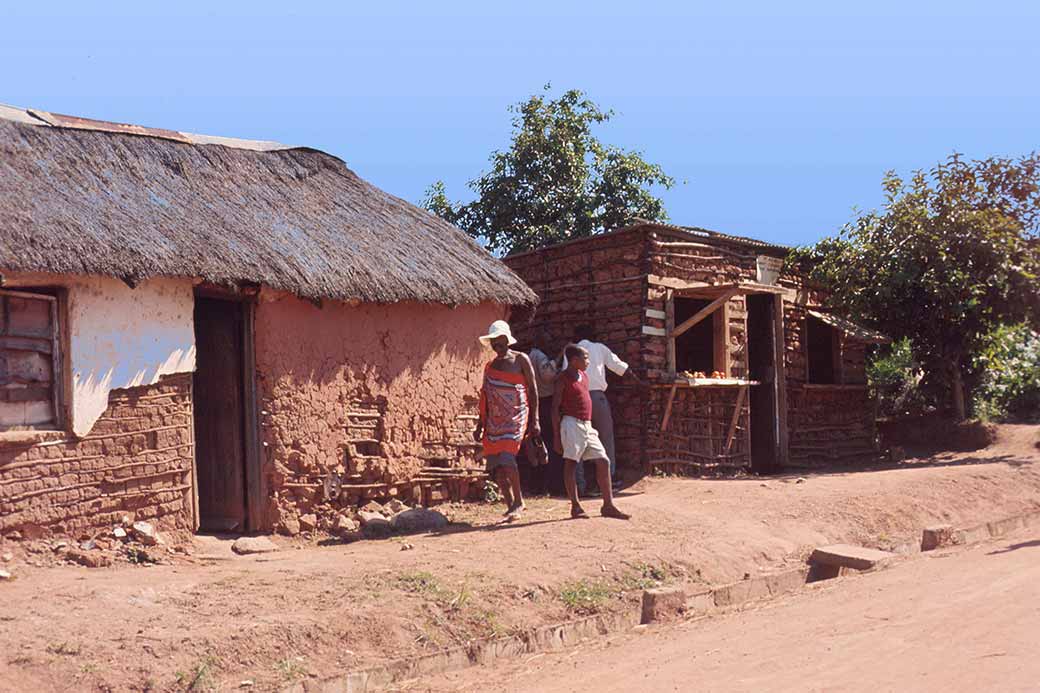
(963, 622)
(314, 610)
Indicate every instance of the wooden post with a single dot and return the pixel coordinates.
(736, 417)
(668, 407)
(780, 378)
(669, 328)
(721, 340)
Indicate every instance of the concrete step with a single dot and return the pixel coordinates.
(852, 557)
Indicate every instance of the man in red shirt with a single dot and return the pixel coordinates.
(574, 436)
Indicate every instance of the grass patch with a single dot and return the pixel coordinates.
(64, 648)
(419, 582)
(291, 669)
(586, 596)
(199, 678)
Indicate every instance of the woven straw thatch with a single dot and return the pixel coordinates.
(83, 200)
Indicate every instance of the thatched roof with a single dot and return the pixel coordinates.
(86, 197)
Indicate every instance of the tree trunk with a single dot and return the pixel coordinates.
(960, 411)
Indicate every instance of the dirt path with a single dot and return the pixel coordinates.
(310, 610)
(965, 621)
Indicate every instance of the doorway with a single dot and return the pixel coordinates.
(763, 398)
(220, 414)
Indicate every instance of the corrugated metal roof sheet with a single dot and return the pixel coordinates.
(850, 328)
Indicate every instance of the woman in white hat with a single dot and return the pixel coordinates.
(508, 404)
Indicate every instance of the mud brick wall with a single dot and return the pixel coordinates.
(599, 282)
(827, 424)
(136, 461)
(378, 395)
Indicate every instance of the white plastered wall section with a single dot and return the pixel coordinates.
(119, 337)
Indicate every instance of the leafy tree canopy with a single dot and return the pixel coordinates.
(556, 181)
(952, 254)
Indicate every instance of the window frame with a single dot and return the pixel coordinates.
(836, 352)
(57, 298)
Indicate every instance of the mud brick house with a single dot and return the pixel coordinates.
(220, 334)
(672, 300)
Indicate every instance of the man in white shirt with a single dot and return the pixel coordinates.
(601, 359)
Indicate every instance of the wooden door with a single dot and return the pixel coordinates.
(761, 350)
(219, 415)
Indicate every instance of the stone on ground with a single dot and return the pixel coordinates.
(848, 556)
(90, 559)
(308, 522)
(248, 545)
(374, 525)
(419, 519)
(4, 574)
(394, 506)
(662, 603)
(344, 525)
(290, 526)
(373, 507)
(145, 533)
(936, 537)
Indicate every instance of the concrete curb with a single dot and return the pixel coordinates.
(555, 637)
(995, 529)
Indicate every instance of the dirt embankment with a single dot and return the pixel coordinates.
(216, 620)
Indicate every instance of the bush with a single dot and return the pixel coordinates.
(895, 379)
(1008, 370)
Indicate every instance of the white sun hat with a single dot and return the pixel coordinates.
(499, 328)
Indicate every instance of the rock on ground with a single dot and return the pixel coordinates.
(247, 545)
(91, 559)
(419, 519)
(145, 533)
(308, 522)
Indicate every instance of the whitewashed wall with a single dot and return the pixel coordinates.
(120, 337)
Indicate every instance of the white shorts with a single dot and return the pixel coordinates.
(580, 440)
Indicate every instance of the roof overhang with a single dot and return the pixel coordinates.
(851, 329)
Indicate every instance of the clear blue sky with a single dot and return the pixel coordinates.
(779, 117)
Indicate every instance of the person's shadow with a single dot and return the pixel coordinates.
(1016, 547)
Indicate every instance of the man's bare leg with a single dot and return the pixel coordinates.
(570, 482)
(603, 479)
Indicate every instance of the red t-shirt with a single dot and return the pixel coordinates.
(574, 396)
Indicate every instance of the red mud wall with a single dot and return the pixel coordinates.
(826, 424)
(136, 461)
(373, 393)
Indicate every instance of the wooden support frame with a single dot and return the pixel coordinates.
(668, 407)
(669, 328)
(703, 313)
(741, 394)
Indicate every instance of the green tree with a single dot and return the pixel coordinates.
(555, 182)
(952, 254)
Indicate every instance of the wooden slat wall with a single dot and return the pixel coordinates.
(29, 367)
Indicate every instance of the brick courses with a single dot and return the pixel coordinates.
(136, 461)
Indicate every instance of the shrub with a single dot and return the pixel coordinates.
(1008, 370)
(895, 379)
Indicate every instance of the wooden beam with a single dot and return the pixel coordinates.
(704, 312)
(734, 420)
(668, 407)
